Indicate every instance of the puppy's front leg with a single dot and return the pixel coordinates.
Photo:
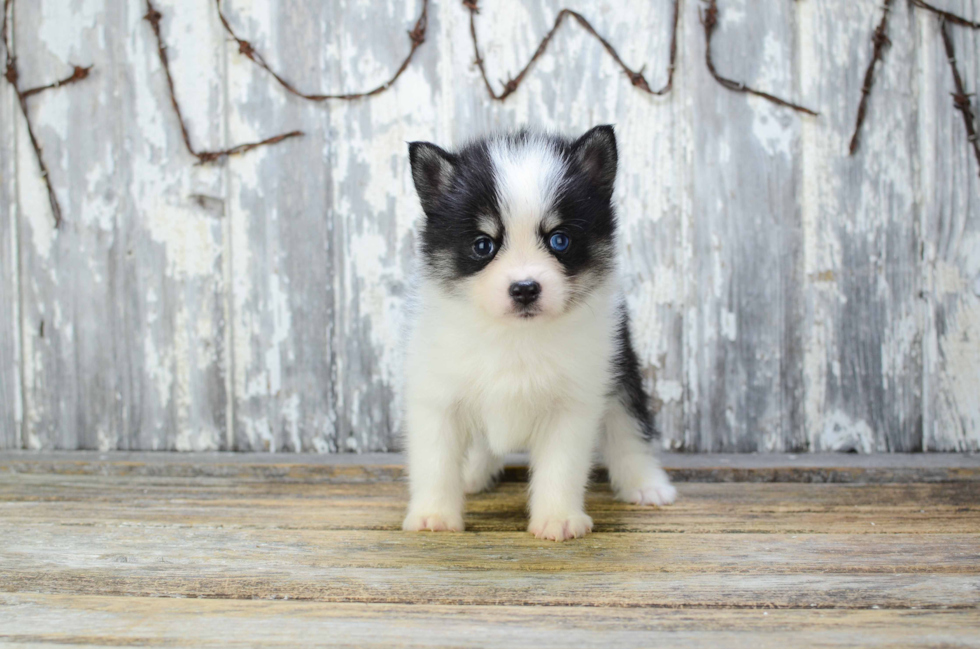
(435, 469)
(561, 458)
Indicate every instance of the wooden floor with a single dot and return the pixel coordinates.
(114, 551)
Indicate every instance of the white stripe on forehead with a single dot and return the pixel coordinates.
(529, 174)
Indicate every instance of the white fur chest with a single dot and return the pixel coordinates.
(507, 380)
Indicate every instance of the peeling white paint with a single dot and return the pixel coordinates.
(843, 434)
(668, 391)
(228, 299)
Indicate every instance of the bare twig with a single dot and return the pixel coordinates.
(203, 157)
(709, 19)
(635, 76)
(416, 36)
(949, 17)
(961, 100)
(13, 78)
(77, 75)
(880, 40)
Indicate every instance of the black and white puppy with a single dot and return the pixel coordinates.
(520, 339)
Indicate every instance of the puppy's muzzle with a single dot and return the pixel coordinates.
(526, 292)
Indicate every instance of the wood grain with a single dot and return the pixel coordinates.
(863, 358)
(743, 339)
(122, 305)
(11, 396)
(785, 296)
(136, 560)
(950, 226)
(126, 621)
(280, 213)
(798, 546)
(703, 508)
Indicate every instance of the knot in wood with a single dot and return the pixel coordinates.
(153, 16)
(471, 5)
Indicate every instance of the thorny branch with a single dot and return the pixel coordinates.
(13, 77)
(949, 17)
(961, 100)
(635, 76)
(416, 35)
(709, 19)
(203, 157)
(880, 40)
(77, 75)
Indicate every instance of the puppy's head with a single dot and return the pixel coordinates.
(521, 225)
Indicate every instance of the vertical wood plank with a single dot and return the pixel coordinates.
(282, 263)
(129, 289)
(70, 335)
(11, 397)
(373, 209)
(744, 352)
(171, 259)
(863, 363)
(950, 236)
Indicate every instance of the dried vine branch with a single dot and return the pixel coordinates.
(880, 40)
(203, 157)
(416, 35)
(961, 100)
(13, 78)
(947, 16)
(635, 76)
(77, 75)
(709, 19)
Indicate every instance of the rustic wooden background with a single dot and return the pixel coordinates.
(785, 296)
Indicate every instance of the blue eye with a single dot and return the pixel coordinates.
(559, 242)
(483, 247)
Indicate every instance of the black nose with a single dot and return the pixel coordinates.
(525, 292)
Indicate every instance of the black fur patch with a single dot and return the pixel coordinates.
(629, 383)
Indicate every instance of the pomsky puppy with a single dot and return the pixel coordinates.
(520, 337)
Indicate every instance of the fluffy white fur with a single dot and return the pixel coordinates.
(482, 382)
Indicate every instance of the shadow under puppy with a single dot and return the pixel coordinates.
(520, 339)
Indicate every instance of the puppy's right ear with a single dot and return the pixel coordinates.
(432, 171)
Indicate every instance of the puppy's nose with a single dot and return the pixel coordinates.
(525, 292)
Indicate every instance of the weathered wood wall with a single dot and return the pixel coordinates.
(786, 296)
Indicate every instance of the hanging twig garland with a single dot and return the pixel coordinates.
(203, 157)
(13, 78)
(709, 20)
(511, 85)
(961, 100)
(880, 40)
(416, 35)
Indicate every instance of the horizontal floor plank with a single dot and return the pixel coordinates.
(702, 508)
(668, 570)
(26, 619)
(701, 467)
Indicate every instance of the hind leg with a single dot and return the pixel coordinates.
(481, 468)
(634, 470)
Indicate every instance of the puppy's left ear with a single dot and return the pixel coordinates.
(596, 153)
(432, 170)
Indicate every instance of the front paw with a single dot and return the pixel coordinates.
(561, 528)
(433, 522)
(655, 490)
